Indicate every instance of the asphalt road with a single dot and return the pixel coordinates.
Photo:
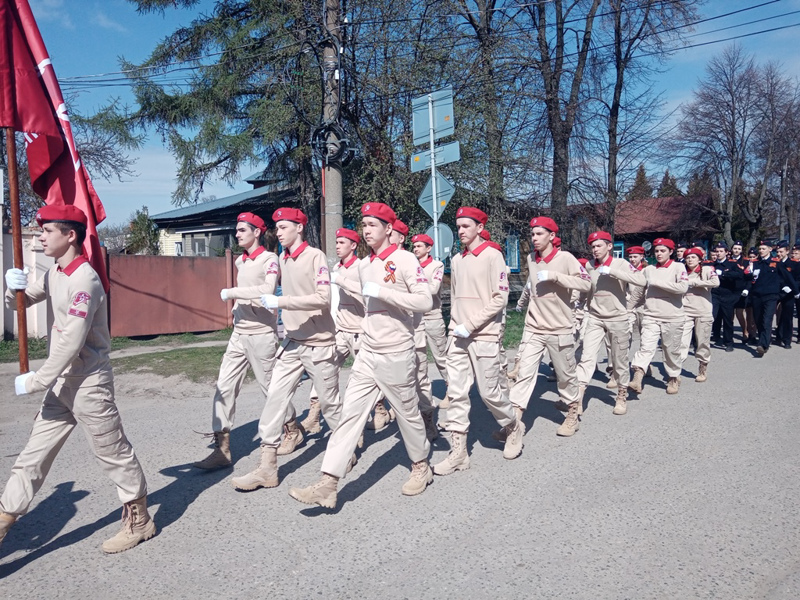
(687, 496)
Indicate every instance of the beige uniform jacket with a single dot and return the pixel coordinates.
(663, 298)
(608, 297)
(350, 314)
(697, 301)
(79, 341)
(636, 294)
(306, 299)
(478, 292)
(404, 293)
(550, 308)
(256, 275)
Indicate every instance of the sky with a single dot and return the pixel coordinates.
(87, 37)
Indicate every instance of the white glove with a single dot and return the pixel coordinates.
(797, 296)
(334, 277)
(371, 290)
(17, 279)
(460, 331)
(745, 293)
(719, 271)
(786, 289)
(269, 301)
(604, 270)
(224, 295)
(542, 275)
(19, 382)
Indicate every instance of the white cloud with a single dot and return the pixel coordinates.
(53, 11)
(102, 20)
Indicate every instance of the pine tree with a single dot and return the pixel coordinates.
(641, 186)
(669, 186)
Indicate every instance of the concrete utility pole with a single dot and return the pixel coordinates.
(331, 205)
(781, 222)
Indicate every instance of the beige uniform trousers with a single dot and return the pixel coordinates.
(670, 333)
(467, 357)
(347, 344)
(374, 376)
(702, 334)
(436, 335)
(423, 379)
(562, 354)
(526, 336)
(616, 336)
(63, 408)
(292, 359)
(256, 351)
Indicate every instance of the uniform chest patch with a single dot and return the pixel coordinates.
(390, 269)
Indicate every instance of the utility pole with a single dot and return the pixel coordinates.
(781, 222)
(331, 204)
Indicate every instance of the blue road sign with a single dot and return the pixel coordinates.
(445, 154)
(444, 191)
(443, 121)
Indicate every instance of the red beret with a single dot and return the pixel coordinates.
(664, 242)
(60, 212)
(349, 234)
(485, 235)
(698, 252)
(557, 242)
(635, 250)
(421, 237)
(583, 261)
(379, 211)
(400, 227)
(290, 214)
(599, 235)
(545, 222)
(475, 214)
(253, 220)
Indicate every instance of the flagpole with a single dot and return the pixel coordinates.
(16, 236)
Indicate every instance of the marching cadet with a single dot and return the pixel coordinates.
(740, 307)
(783, 333)
(399, 234)
(550, 321)
(703, 279)
(349, 314)
(770, 280)
(663, 316)
(607, 316)
(76, 379)
(636, 292)
(309, 345)
(254, 340)
(479, 293)
(725, 295)
(394, 288)
(432, 321)
(680, 250)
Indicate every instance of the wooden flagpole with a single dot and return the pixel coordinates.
(16, 235)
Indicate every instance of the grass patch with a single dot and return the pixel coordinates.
(200, 365)
(9, 349)
(515, 323)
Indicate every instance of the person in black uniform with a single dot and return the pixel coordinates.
(770, 279)
(680, 250)
(783, 333)
(739, 309)
(731, 283)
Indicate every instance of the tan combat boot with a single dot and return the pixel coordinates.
(457, 459)
(571, 423)
(323, 492)
(702, 374)
(382, 417)
(311, 424)
(514, 433)
(673, 385)
(621, 406)
(293, 436)
(431, 432)
(220, 457)
(421, 477)
(6, 521)
(264, 475)
(636, 381)
(137, 526)
(612, 381)
(502, 434)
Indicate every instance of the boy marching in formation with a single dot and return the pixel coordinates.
(389, 312)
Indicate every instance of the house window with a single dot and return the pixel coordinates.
(619, 250)
(512, 252)
(178, 248)
(199, 247)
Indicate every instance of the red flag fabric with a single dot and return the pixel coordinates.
(31, 102)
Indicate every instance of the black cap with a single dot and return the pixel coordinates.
(720, 245)
(783, 244)
(738, 243)
(682, 245)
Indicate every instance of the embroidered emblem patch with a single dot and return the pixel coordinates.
(390, 269)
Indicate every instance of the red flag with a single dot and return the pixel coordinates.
(31, 102)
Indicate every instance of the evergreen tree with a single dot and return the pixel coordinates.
(669, 186)
(143, 237)
(641, 186)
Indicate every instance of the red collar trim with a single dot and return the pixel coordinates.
(426, 262)
(254, 255)
(698, 269)
(547, 258)
(73, 266)
(607, 262)
(477, 250)
(383, 255)
(350, 262)
(296, 253)
(665, 265)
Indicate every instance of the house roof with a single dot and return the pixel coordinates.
(674, 214)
